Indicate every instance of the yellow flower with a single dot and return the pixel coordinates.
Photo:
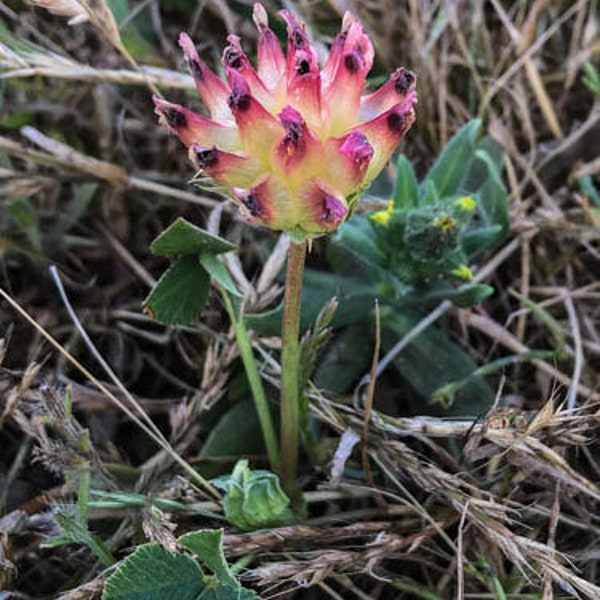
(445, 222)
(383, 216)
(463, 272)
(466, 203)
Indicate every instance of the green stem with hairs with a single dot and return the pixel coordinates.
(290, 359)
(256, 386)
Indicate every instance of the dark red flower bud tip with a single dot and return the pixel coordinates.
(404, 80)
(240, 97)
(205, 158)
(196, 70)
(353, 61)
(397, 122)
(173, 117)
(302, 63)
(357, 146)
(293, 124)
(333, 211)
(232, 57)
(191, 56)
(252, 204)
(296, 31)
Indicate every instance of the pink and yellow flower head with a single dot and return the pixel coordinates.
(294, 145)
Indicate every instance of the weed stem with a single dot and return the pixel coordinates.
(256, 386)
(290, 355)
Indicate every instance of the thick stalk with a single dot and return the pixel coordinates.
(290, 358)
(256, 386)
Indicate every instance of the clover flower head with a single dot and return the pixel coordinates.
(294, 145)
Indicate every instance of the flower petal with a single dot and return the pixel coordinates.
(399, 86)
(213, 91)
(267, 203)
(385, 132)
(336, 50)
(258, 128)
(192, 128)
(298, 154)
(343, 91)
(271, 61)
(227, 169)
(323, 209)
(303, 77)
(234, 58)
(346, 161)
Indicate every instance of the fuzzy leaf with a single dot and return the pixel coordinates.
(474, 294)
(226, 592)
(181, 237)
(236, 432)
(431, 361)
(494, 206)
(180, 294)
(153, 573)
(340, 365)
(357, 236)
(219, 273)
(406, 192)
(207, 545)
(355, 299)
(450, 168)
(480, 239)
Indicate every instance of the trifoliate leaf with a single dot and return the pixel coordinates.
(182, 237)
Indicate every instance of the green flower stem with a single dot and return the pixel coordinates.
(258, 391)
(290, 355)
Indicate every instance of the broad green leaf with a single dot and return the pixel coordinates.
(75, 209)
(226, 592)
(462, 297)
(494, 206)
(15, 119)
(430, 362)
(131, 36)
(180, 294)
(477, 240)
(592, 78)
(359, 237)
(450, 168)
(447, 393)
(587, 187)
(428, 193)
(237, 432)
(207, 545)
(218, 271)
(477, 171)
(406, 192)
(493, 169)
(355, 300)
(546, 319)
(21, 211)
(474, 294)
(268, 322)
(340, 366)
(181, 237)
(153, 573)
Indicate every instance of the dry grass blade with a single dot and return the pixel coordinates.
(448, 506)
(65, 157)
(502, 336)
(159, 439)
(73, 9)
